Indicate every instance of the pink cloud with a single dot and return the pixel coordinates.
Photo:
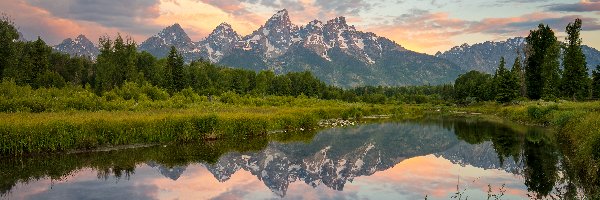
(34, 21)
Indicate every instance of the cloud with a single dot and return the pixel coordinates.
(230, 6)
(522, 25)
(278, 4)
(422, 30)
(134, 16)
(427, 31)
(344, 6)
(33, 21)
(522, 1)
(200, 24)
(583, 6)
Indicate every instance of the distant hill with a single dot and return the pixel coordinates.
(485, 57)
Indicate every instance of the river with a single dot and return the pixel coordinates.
(433, 158)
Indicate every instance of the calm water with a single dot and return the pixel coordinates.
(440, 159)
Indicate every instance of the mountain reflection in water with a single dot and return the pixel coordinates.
(404, 160)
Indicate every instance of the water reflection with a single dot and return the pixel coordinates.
(406, 160)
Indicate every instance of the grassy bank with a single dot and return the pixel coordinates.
(577, 128)
(74, 118)
(26, 132)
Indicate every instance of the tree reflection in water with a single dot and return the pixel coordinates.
(334, 157)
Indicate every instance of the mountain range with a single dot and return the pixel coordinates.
(334, 51)
(485, 57)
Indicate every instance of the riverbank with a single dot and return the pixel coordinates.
(576, 126)
(31, 133)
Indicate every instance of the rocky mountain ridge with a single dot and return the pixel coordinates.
(485, 57)
(80, 46)
(334, 51)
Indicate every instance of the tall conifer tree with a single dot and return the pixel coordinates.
(175, 67)
(518, 72)
(507, 88)
(596, 83)
(575, 77)
(542, 72)
(8, 48)
(39, 53)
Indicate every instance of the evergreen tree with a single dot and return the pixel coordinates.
(146, 64)
(542, 73)
(8, 47)
(517, 71)
(575, 77)
(116, 63)
(33, 60)
(263, 81)
(596, 83)
(175, 68)
(473, 85)
(39, 53)
(507, 88)
(125, 57)
(105, 79)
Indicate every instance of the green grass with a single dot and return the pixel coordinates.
(26, 132)
(73, 118)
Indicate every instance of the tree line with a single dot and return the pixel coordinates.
(540, 75)
(537, 76)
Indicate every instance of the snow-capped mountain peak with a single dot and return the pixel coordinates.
(280, 16)
(80, 46)
(174, 35)
(274, 38)
(219, 43)
(224, 30)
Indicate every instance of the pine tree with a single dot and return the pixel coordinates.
(517, 71)
(596, 83)
(125, 57)
(542, 73)
(507, 88)
(8, 46)
(175, 67)
(116, 63)
(105, 68)
(575, 77)
(39, 53)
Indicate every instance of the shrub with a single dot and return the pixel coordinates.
(129, 90)
(190, 95)
(230, 97)
(154, 93)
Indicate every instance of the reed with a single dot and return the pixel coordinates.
(26, 133)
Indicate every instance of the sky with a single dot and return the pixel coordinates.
(425, 26)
